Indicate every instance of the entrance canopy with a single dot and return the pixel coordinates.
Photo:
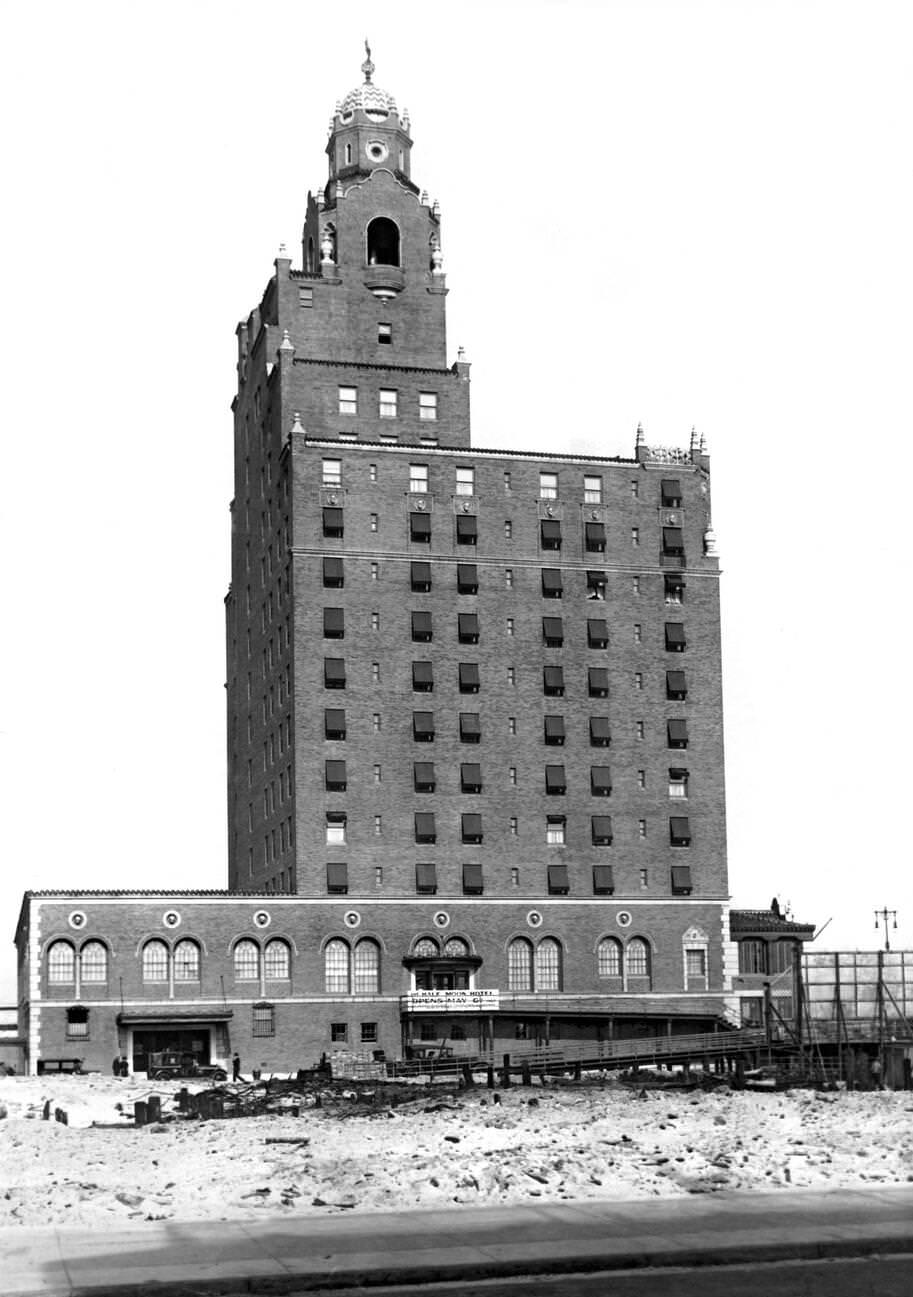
(183, 1013)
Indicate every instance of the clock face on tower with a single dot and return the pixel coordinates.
(376, 151)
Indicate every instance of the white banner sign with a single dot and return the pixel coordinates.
(453, 1001)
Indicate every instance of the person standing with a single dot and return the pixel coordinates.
(236, 1067)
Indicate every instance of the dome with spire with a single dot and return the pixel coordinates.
(368, 98)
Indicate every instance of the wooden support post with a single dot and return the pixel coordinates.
(183, 1096)
(490, 1076)
(740, 1073)
(153, 1108)
(467, 1074)
(578, 1070)
(139, 1112)
(525, 1073)
(505, 1072)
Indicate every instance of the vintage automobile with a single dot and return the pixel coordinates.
(167, 1065)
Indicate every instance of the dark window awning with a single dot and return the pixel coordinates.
(337, 875)
(471, 774)
(599, 729)
(472, 827)
(334, 622)
(598, 680)
(679, 829)
(595, 578)
(467, 577)
(421, 624)
(557, 878)
(424, 772)
(423, 723)
(336, 774)
(334, 720)
(552, 582)
(601, 780)
(555, 779)
(468, 625)
(676, 683)
(425, 877)
(472, 878)
(332, 520)
(603, 880)
(675, 634)
(469, 675)
(677, 731)
(551, 531)
(422, 673)
(467, 526)
(673, 542)
(681, 878)
(553, 677)
(334, 669)
(333, 571)
(421, 574)
(470, 725)
(595, 535)
(420, 524)
(183, 1013)
(597, 631)
(671, 489)
(601, 828)
(552, 628)
(424, 826)
(554, 727)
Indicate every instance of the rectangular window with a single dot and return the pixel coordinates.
(555, 781)
(470, 777)
(375, 722)
(552, 583)
(592, 490)
(263, 1021)
(334, 723)
(552, 632)
(337, 879)
(678, 783)
(305, 298)
(641, 828)
(554, 731)
(385, 334)
(696, 963)
(333, 573)
(509, 625)
(375, 672)
(423, 727)
(558, 881)
(514, 826)
(509, 577)
(673, 543)
(639, 729)
(674, 588)
(679, 831)
(638, 633)
(378, 774)
(552, 681)
(511, 724)
(595, 585)
(470, 727)
(548, 486)
(469, 677)
(348, 400)
(600, 781)
(603, 880)
(339, 1032)
(336, 828)
(671, 493)
(334, 673)
(423, 776)
(550, 533)
(601, 830)
(635, 537)
(508, 530)
(375, 621)
(425, 830)
(421, 627)
(373, 521)
(420, 577)
(334, 625)
(511, 675)
(512, 776)
(644, 880)
(641, 779)
(422, 677)
(386, 403)
(597, 633)
(506, 481)
(676, 685)
(333, 523)
(677, 733)
(598, 682)
(420, 528)
(335, 776)
(427, 405)
(332, 472)
(465, 481)
(369, 1033)
(418, 479)
(554, 831)
(372, 472)
(471, 827)
(472, 880)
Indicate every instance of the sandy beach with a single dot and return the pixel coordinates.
(475, 1147)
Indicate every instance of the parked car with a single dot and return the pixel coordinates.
(172, 1066)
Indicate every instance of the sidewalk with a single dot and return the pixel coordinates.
(283, 1255)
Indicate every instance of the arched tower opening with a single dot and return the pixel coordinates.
(382, 242)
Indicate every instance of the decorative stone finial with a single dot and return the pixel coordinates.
(436, 209)
(406, 120)
(639, 438)
(693, 442)
(286, 343)
(437, 261)
(368, 67)
(424, 198)
(461, 354)
(710, 542)
(326, 248)
(702, 445)
(282, 251)
(296, 422)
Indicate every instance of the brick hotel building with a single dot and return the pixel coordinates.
(475, 733)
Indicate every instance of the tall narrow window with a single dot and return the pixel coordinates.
(93, 962)
(592, 490)
(385, 334)
(418, 480)
(348, 400)
(187, 962)
(336, 968)
(548, 486)
(387, 403)
(427, 405)
(382, 242)
(332, 472)
(465, 481)
(155, 962)
(247, 961)
(520, 965)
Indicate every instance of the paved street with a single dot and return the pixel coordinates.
(467, 1245)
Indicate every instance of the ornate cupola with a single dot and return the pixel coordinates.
(366, 134)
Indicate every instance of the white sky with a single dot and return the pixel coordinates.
(681, 213)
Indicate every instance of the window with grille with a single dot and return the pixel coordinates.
(61, 963)
(77, 1024)
(339, 1032)
(93, 962)
(637, 957)
(247, 961)
(520, 965)
(277, 961)
(548, 965)
(367, 968)
(263, 1020)
(336, 967)
(608, 958)
(426, 948)
(155, 962)
(187, 962)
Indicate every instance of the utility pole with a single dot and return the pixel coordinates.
(885, 914)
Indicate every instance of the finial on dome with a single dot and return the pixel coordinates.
(368, 67)
(639, 437)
